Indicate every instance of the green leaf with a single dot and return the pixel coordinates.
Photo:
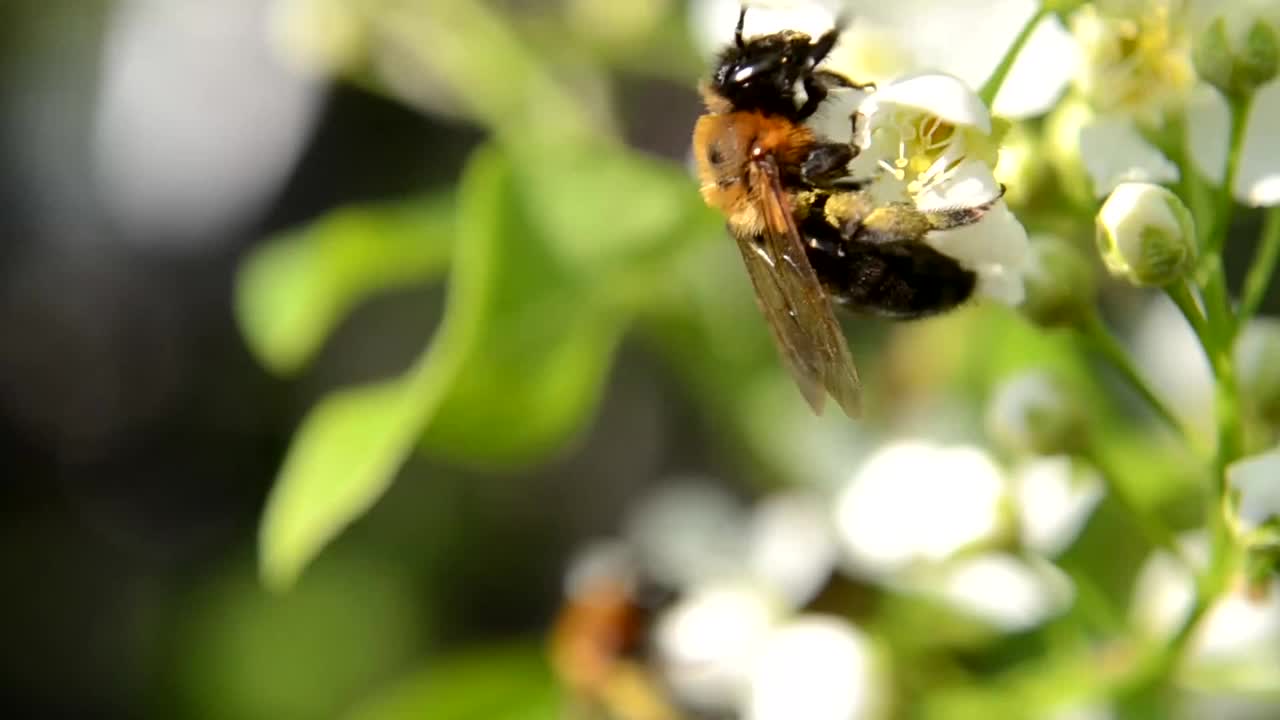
(342, 460)
(568, 263)
(506, 683)
(350, 446)
(292, 291)
(604, 208)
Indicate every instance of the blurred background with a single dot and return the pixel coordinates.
(214, 215)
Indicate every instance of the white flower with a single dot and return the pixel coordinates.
(1136, 61)
(1054, 502)
(706, 643)
(814, 667)
(688, 531)
(1169, 355)
(792, 545)
(1006, 591)
(1238, 628)
(927, 140)
(915, 501)
(1114, 152)
(1258, 178)
(1257, 479)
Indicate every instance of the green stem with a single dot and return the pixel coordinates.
(1263, 267)
(1156, 532)
(991, 87)
(1181, 294)
(1222, 218)
(1100, 339)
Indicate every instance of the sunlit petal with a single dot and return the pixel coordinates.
(1258, 179)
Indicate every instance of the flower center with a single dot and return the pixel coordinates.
(928, 149)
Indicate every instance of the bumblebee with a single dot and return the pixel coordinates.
(808, 232)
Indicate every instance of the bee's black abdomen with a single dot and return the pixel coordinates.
(900, 280)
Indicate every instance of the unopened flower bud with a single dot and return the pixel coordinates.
(1059, 283)
(1146, 235)
(1237, 63)
(1034, 413)
(1258, 367)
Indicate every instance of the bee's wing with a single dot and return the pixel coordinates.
(793, 301)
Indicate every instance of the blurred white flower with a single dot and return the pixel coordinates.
(1054, 501)
(606, 562)
(914, 501)
(1258, 178)
(1257, 479)
(198, 123)
(1169, 355)
(1135, 59)
(814, 667)
(1010, 593)
(1114, 152)
(707, 642)
(1238, 628)
(687, 532)
(792, 545)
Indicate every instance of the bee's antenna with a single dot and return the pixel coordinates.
(737, 32)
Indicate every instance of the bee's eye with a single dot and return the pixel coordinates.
(714, 155)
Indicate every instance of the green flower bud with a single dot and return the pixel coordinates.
(1258, 368)
(1059, 283)
(1034, 413)
(1237, 65)
(1146, 235)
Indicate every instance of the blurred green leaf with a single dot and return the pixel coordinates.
(342, 460)
(306, 655)
(572, 265)
(604, 208)
(292, 291)
(521, 358)
(505, 683)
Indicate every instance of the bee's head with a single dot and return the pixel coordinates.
(762, 73)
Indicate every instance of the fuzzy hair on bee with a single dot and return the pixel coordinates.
(809, 233)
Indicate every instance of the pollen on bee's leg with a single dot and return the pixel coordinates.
(948, 218)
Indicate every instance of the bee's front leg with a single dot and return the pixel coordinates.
(827, 166)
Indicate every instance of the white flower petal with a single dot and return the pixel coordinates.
(1164, 591)
(833, 121)
(943, 96)
(967, 39)
(815, 667)
(1114, 152)
(1257, 479)
(1040, 74)
(1006, 591)
(1053, 503)
(996, 247)
(707, 642)
(688, 532)
(918, 501)
(1258, 179)
(1170, 356)
(792, 545)
(1208, 129)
